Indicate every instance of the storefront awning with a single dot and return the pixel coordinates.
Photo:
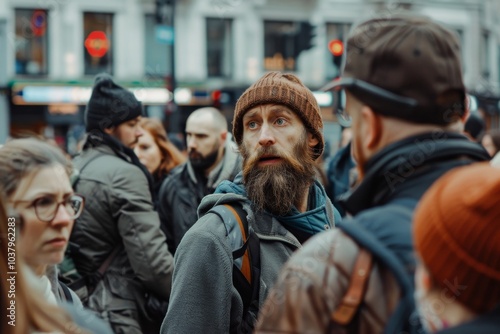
(48, 93)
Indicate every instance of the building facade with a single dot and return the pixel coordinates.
(55, 47)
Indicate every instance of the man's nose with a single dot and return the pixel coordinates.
(266, 136)
(191, 143)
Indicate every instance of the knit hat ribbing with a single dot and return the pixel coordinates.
(457, 234)
(110, 104)
(285, 89)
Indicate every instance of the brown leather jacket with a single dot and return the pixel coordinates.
(313, 283)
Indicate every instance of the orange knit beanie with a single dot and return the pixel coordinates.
(457, 234)
(285, 89)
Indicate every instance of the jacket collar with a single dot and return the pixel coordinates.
(264, 223)
(411, 165)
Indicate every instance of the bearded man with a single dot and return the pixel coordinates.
(277, 126)
(213, 158)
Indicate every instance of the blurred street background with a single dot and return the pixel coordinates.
(177, 56)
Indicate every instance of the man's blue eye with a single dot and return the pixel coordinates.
(280, 121)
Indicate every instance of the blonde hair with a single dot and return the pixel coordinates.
(21, 157)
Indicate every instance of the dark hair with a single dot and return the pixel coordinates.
(495, 138)
(170, 155)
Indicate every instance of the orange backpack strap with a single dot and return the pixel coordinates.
(353, 298)
(245, 269)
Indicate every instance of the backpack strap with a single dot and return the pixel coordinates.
(245, 245)
(349, 305)
(388, 259)
(66, 292)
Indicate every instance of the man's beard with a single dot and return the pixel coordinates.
(201, 163)
(276, 188)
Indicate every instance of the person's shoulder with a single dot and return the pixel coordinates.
(386, 217)
(87, 320)
(175, 174)
(208, 232)
(173, 181)
(330, 254)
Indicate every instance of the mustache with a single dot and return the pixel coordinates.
(253, 159)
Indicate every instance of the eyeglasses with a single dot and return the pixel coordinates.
(46, 207)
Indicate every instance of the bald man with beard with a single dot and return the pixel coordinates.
(213, 158)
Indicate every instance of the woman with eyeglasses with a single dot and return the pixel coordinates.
(35, 180)
(32, 313)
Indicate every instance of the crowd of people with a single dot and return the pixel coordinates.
(243, 234)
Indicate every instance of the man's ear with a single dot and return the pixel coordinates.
(423, 278)
(223, 136)
(312, 141)
(372, 127)
(109, 130)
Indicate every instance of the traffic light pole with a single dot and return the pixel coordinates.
(172, 52)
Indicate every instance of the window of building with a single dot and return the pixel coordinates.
(157, 50)
(279, 45)
(98, 43)
(334, 31)
(31, 41)
(219, 47)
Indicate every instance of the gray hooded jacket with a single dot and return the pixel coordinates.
(203, 298)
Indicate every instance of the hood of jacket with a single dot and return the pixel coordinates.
(408, 167)
(310, 222)
(225, 168)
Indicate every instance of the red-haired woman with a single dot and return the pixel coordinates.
(156, 152)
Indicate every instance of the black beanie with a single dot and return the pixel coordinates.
(110, 104)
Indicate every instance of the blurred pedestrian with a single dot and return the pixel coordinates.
(402, 101)
(34, 178)
(212, 158)
(156, 152)
(475, 126)
(491, 142)
(119, 232)
(341, 171)
(457, 239)
(277, 125)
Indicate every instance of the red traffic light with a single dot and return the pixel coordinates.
(336, 47)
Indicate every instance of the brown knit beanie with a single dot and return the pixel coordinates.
(285, 89)
(457, 234)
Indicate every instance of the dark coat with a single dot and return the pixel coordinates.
(183, 190)
(119, 215)
(338, 172)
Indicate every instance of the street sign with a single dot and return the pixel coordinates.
(97, 44)
(165, 34)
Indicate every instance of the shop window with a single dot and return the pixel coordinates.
(31, 41)
(98, 43)
(219, 47)
(279, 46)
